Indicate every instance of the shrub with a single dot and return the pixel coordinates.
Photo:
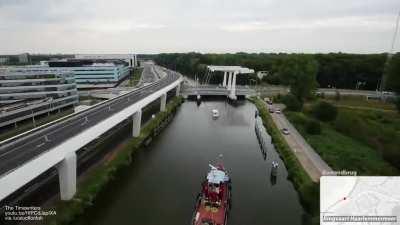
(278, 97)
(324, 111)
(337, 95)
(392, 155)
(397, 103)
(313, 127)
(292, 103)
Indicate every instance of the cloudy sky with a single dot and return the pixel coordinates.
(153, 26)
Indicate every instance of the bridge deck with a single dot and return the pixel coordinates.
(16, 151)
(216, 90)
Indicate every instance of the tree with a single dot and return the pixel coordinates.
(300, 72)
(393, 73)
(393, 77)
(324, 111)
(313, 127)
(339, 70)
(397, 103)
(292, 103)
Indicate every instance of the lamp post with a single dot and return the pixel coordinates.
(33, 118)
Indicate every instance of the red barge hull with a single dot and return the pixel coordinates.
(214, 201)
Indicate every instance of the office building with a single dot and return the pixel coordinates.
(94, 73)
(26, 92)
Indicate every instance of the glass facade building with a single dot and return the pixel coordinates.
(29, 91)
(94, 73)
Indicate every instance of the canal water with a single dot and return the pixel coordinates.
(161, 185)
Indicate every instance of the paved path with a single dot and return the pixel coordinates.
(309, 159)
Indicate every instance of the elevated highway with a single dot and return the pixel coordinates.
(26, 156)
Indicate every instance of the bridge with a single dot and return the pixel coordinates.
(228, 86)
(26, 156)
(215, 90)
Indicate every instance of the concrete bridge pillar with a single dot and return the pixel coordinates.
(224, 81)
(67, 176)
(136, 123)
(234, 82)
(178, 89)
(163, 102)
(229, 80)
(232, 94)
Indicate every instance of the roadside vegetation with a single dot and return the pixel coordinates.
(352, 139)
(392, 73)
(360, 102)
(308, 190)
(100, 176)
(134, 78)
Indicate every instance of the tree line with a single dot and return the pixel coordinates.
(339, 70)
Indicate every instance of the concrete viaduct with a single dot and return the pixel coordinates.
(26, 156)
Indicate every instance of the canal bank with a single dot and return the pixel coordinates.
(100, 176)
(308, 190)
(161, 185)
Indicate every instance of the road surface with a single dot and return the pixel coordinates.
(309, 159)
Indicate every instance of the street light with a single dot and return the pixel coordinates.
(389, 56)
(33, 118)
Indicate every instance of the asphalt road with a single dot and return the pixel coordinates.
(23, 149)
(309, 159)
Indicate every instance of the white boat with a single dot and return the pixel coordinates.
(215, 113)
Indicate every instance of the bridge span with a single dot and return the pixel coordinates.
(26, 156)
(204, 90)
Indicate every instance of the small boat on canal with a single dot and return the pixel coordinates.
(214, 201)
(215, 113)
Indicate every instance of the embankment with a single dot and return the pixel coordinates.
(308, 190)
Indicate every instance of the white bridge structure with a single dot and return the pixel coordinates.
(26, 156)
(228, 87)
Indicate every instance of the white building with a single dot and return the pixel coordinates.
(29, 91)
(94, 73)
(131, 59)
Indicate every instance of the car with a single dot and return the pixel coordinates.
(268, 101)
(278, 111)
(271, 110)
(285, 131)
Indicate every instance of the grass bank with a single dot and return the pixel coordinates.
(99, 177)
(135, 77)
(365, 135)
(360, 102)
(378, 129)
(340, 150)
(308, 190)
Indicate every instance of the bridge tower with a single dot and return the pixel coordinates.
(230, 74)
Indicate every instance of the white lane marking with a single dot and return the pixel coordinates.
(40, 145)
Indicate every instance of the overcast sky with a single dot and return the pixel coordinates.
(153, 26)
